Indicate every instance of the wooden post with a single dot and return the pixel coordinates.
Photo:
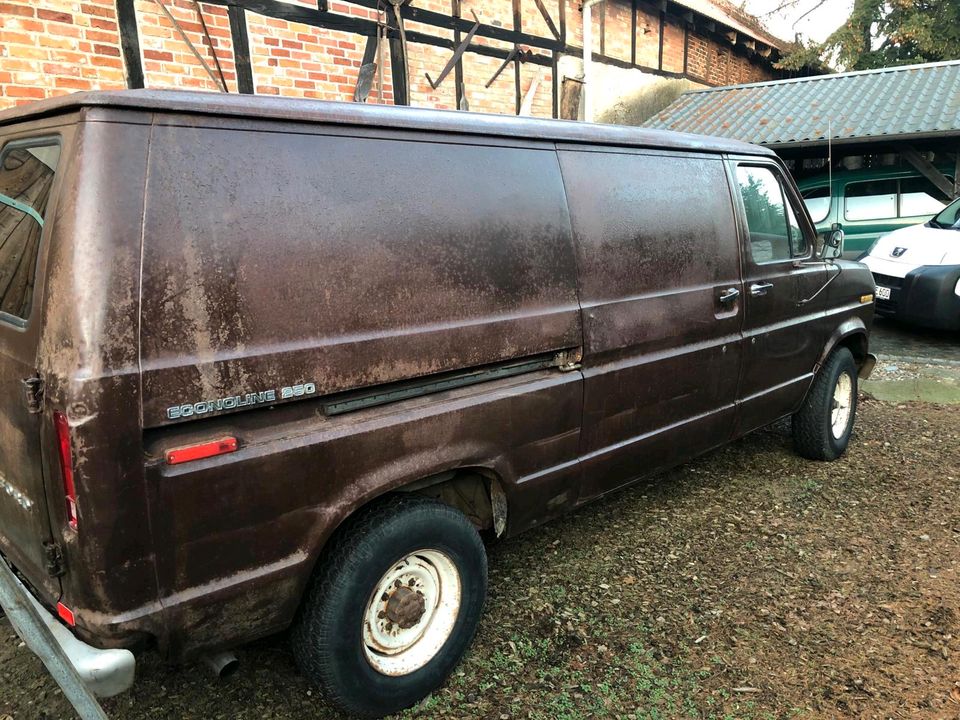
(241, 48)
(130, 42)
(398, 61)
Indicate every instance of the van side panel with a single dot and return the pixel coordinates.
(89, 362)
(282, 257)
(278, 258)
(657, 246)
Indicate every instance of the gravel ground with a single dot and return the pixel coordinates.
(747, 584)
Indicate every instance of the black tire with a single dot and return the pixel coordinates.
(813, 433)
(328, 636)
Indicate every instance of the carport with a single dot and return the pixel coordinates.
(907, 115)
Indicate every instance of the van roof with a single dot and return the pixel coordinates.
(405, 118)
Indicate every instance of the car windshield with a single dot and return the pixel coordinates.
(949, 217)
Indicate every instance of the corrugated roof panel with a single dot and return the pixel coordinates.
(918, 99)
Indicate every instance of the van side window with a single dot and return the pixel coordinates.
(775, 234)
(817, 201)
(920, 197)
(874, 200)
(26, 177)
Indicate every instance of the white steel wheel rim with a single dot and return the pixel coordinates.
(842, 405)
(411, 612)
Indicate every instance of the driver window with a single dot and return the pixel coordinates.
(775, 234)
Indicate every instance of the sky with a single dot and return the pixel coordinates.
(816, 26)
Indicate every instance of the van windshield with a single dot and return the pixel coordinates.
(26, 178)
(949, 218)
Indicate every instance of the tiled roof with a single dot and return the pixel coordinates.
(916, 100)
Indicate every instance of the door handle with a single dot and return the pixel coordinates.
(729, 296)
(758, 289)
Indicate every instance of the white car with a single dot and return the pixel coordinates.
(917, 271)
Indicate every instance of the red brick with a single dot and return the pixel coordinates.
(107, 50)
(18, 91)
(102, 24)
(73, 83)
(157, 55)
(12, 9)
(106, 12)
(54, 15)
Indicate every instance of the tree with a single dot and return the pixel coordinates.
(883, 33)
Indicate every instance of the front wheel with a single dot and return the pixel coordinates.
(823, 425)
(394, 606)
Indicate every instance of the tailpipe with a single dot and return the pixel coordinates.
(222, 664)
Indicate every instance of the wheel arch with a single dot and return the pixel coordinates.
(479, 491)
(853, 335)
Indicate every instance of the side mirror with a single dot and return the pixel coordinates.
(832, 243)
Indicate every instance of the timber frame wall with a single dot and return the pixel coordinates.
(316, 48)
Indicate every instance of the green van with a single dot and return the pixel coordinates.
(871, 202)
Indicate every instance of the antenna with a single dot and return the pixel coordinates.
(830, 155)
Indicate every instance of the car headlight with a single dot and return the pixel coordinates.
(956, 289)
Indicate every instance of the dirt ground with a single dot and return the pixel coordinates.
(747, 584)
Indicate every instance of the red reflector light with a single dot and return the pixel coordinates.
(201, 450)
(66, 466)
(66, 614)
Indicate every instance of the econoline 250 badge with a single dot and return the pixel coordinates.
(233, 402)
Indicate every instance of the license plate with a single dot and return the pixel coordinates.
(883, 293)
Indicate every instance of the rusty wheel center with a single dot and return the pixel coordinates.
(411, 612)
(405, 607)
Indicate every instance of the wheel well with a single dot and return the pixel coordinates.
(857, 345)
(476, 492)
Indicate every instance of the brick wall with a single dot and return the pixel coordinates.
(52, 47)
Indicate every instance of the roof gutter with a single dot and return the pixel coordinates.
(864, 140)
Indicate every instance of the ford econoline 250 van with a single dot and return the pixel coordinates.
(270, 363)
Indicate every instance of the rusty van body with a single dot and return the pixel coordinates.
(234, 323)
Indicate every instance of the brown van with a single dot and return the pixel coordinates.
(274, 364)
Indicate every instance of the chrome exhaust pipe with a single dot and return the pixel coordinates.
(222, 664)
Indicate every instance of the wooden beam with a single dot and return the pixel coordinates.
(130, 43)
(928, 170)
(517, 28)
(603, 26)
(440, 20)
(398, 61)
(555, 86)
(241, 49)
(663, 19)
(547, 19)
(563, 21)
(686, 48)
(956, 176)
(461, 90)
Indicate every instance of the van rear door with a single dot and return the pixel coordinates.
(27, 170)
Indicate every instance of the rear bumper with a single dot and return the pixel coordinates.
(104, 672)
(925, 297)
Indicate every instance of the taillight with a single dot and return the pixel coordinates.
(66, 466)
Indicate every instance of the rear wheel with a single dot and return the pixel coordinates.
(394, 606)
(823, 425)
